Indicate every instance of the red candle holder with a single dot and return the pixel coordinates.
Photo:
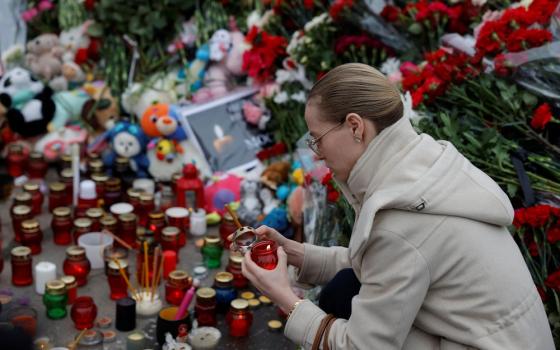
(31, 235)
(36, 197)
(16, 160)
(112, 193)
(147, 205)
(190, 188)
(81, 227)
(83, 313)
(234, 267)
(20, 213)
(37, 166)
(117, 283)
(76, 264)
(239, 318)
(61, 225)
(170, 239)
(67, 178)
(57, 196)
(22, 274)
(95, 215)
(177, 285)
(133, 195)
(169, 262)
(22, 198)
(100, 180)
(227, 227)
(178, 217)
(156, 223)
(264, 254)
(205, 307)
(127, 225)
(71, 288)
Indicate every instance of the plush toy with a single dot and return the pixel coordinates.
(278, 220)
(78, 46)
(44, 56)
(138, 97)
(276, 174)
(163, 120)
(195, 71)
(129, 141)
(72, 77)
(69, 106)
(250, 206)
(57, 143)
(101, 111)
(165, 158)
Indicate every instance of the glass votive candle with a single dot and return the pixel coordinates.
(113, 252)
(37, 166)
(36, 197)
(24, 317)
(16, 160)
(20, 213)
(100, 180)
(264, 254)
(205, 307)
(22, 273)
(112, 193)
(95, 215)
(177, 285)
(178, 217)
(212, 252)
(31, 235)
(133, 195)
(71, 287)
(57, 195)
(55, 299)
(227, 227)
(61, 225)
(234, 267)
(169, 262)
(83, 312)
(117, 283)
(156, 223)
(22, 198)
(170, 238)
(147, 205)
(95, 167)
(225, 293)
(81, 227)
(67, 178)
(239, 318)
(76, 264)
(127, 225)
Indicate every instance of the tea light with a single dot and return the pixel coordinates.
(198, 222)
(204, 338)
(44, 272)
(265, 300)
(43, 343)
(254, 303)
(274, 325)
(135, 341)
(264, 254)
(247, 295)
(147, 306)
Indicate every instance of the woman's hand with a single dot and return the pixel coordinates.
(293, 249)
(273, 283)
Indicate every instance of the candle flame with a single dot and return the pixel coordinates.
(268, 247)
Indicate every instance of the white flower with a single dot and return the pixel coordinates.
(255, 19)
(299, 97)
(524, 3)
(281, 97)
(390, 66)
(480, 3)
(295, 41)
(315, 21)
(408, 112)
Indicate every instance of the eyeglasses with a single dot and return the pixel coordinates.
(313, 142)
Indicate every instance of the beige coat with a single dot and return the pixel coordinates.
(438, 268)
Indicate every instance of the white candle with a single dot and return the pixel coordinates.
(44, 272)
(198, 222)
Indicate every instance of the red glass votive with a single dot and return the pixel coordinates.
(57, 195)
(227, 227)
(84, 312)
(239, 318)
(22, 198)
(169, 262)
(133, 195)
(76, 264)
(234, 267)
(176, 287)
(37, 166)
(205, 307)
(81, 226)
(127, 228)
(264, 254)
(67, 178)
(147, 205)
(16, 160)
(20, 213)
(100, 180)
(117, 283)
(22, 274)
(170, 238)
(61, 225)
(178, 217)
(31, 235)
(95, 215)
(156, 223)
(36, 197)
(71, 288)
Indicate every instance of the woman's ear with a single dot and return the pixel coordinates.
(357, 126)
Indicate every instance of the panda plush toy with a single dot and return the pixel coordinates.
(28, 102)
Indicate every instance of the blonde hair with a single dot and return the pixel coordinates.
(357, 88)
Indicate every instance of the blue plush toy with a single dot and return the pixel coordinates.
(278, 220)
(128, 140)
(194, 75)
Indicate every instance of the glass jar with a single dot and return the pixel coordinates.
(109, 223)
(22, 198)
(71, 287)
(100, 180)
(112, 192)
(81, 226)
(95, 167)
(37, 166)
(22, 274)
(31, 235)
(20, 213)
(156, 223)
(95, 215)
(239, 318)
(127, 225)
(167, 199)
(174, 179)
(225, 293)
(83, 313)
(61, 225)
(179, 217)
(57, 196)
(36, 197)
(133, 195)
(55, 299)
(66, 161)
(113, 252)
(16, 160)
(212, 252)
(169, 239)
(67, 178)
(147, 205)
(227, 227)
(117, 283)
(177, 285)
(77, 264)
(234, 267)
(205, 307)
(264, 254)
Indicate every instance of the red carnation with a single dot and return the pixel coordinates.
(327, 178)
(523, 39)
(553, 281)
(533, 249)
(338, 6)
(308, 4)
(541, 117)
(519, 218)
(390, 13)
(538, 215)
(333, 195)
(542, 293)
(501, 66)
(553, 234)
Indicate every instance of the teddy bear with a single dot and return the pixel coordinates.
(101, 111)
(128, 141)
(276, 174)
(44, 56)
(163, 119)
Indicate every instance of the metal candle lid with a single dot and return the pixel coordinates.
(178, 276)
(236, 259)
(21, 253)
(75, 252)
(156, 215)
(95, 213)
(211, 240)
(128, 217)
(31, 186)
(67, 173)
(23, 197)
(61, 211)
(57, 187)
(21, 209)
(69, 281)
(114, 266)
(134, 193)
(55, 287)
(205, 293)
(30, 224)
(170, 231)
(223, 277)
(239, 304)
(108, 220)
(243, 239)
(99, 178)
(82, 222)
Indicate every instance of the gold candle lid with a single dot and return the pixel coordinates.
(55, 287)
(21, 253)
(82, 222)
(99, 178)
(96, 164)
(75, 252)
(236, 258)
(134, 193)
(68, 280)
(30, 224)
(223, 277)
(239, 304)
(122, 160)
(254, 303)
(146, 197)
(211, 240)
(113, 183)
(265, 300)
(36, 155)
(205, 293)
(57, 187)
(247, 295)
(61, 211)
(66, 157)
(95, 213)
(170, 231)
(23, 197)
(108, 220)
(31, 186)
(67, 173)
(128, 217)
(178, 276)
(21, 210)
(156, 215)
(274, 325)
(114, 266)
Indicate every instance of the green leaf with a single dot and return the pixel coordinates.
(95, 30)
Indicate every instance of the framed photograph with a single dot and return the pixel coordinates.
(219, 130)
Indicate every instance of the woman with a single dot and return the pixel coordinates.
(436, 265)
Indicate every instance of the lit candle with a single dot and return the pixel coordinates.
(198, 222)
(169, 262)
(44, 272)
(135, 341)
(264, 254)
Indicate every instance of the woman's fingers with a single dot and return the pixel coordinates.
(282, 257)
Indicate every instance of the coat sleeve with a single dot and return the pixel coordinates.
(395, 280)
(320, 264)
